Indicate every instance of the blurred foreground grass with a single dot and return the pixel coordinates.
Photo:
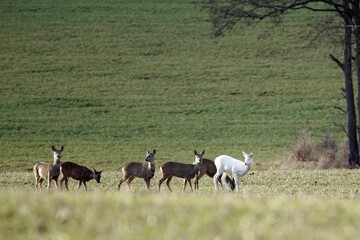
(272, 205)
(176, 216)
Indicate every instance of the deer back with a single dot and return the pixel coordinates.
(181, 170)
(76, 171)
(142, 170)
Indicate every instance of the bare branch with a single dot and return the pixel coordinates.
(339, 108)
(342, 127)
(337, 61)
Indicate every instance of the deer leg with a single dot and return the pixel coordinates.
(130, 179)
(223, 180)
(41, 181)
(121, 181)
(168, 183)
(236, 179)
(37, 181)
(79, 186)
(219, 181)
(189, 180)
(61, 183)
(84, 183)
(216, 177)
(48, 175)
(49, 182)
(66, 183)
(231, 182)
(56, 184)
(147, 181)
(228, 181)
(197, 178)
(185, 181)
(161, 181)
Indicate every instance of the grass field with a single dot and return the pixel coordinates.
(112, 78)
(108, 79)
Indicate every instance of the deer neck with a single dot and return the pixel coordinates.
(92, 174)
(248, 165)
(56, 161)
(151, 165)
(197, 166)
(247, 168)
(151, 169)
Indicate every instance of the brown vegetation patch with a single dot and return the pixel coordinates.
(307, 154)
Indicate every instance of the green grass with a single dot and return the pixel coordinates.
(272, 204)
(112, 78)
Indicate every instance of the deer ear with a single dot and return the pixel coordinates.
(203, 152)
(244, 154)
(53, 148)
(154, 151)
(62, 148)
(195, 152)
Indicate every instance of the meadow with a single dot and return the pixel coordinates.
(112, 78)
(109, 79)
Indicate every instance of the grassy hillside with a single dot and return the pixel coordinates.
(108, 79)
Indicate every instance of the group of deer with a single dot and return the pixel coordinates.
(218, 170)
(46, 171)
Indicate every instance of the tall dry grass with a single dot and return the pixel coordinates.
(306, 153)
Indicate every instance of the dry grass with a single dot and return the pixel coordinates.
(307, 154)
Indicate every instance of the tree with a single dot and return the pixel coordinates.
(226, 13)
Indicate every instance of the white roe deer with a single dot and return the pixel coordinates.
(145, 171)
(46, 171)
(208, 167)
(77, 172)
(235, 167)
(181, 170)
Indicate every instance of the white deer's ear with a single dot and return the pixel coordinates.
(244, 154)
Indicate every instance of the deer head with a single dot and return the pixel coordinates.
(57, 154)
(150, 156)
(97, 175)
(248, 158)
(199, 156)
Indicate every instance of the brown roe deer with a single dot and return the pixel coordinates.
(77, 172)
(145, 171)
(47, 171)
(181, 170)
(208, 167)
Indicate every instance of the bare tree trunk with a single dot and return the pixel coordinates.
(356, 12)
(349, 90)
